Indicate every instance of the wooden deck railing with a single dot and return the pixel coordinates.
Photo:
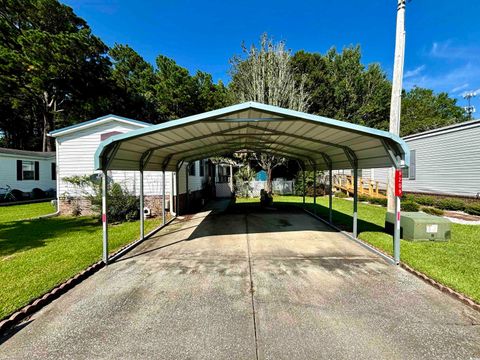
(365, 186)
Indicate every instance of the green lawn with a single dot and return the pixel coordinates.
(37, 255)
(20, 212)
(455, 263)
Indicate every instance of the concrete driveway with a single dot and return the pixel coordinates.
(246, 286)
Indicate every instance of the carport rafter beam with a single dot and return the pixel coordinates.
(225, 150)
(176, 143)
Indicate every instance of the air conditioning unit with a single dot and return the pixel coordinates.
(147, 212)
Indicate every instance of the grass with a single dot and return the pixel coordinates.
(37, 255)
(454, 263)
(19, 212)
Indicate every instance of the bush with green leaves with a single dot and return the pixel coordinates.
(378, 201)
(410, 206)
(243, 177)
(341, 195)
(38, 193)
(122, 205)
(473, 209)
(451, 204)
(432, 211)
(425, 200)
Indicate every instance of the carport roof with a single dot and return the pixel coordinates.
(251, 126)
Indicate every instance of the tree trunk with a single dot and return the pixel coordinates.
(269, 179)
(47, 144)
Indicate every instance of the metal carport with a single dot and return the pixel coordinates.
(319, 143)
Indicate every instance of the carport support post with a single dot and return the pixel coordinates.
(187, 198)
(104, 216)
(303, 174)
(315, 189)
(355, 201)
(330, 189)
(163, 197)
(142, 207)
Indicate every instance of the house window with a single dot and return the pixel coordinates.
(27, 170)
(54, 171)
(410, 172)
(202, 168)
(192, 169)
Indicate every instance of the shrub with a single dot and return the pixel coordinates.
(38, 193)
(378, 201)
(19, 196)
(409, 206)
(340, 195)
(408, 197)
(363, 198)
(432, 211)
(473, 209)
(122, 205)
(425, 200)
(451, 204)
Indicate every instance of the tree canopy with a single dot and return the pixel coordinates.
(55, 72)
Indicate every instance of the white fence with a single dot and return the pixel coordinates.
(253, 188)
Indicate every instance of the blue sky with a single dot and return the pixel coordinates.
(443, 37)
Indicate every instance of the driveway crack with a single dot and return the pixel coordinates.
(252, 288)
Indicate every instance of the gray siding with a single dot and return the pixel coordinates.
(446, 163)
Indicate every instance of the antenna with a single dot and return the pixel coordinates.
(469, 109)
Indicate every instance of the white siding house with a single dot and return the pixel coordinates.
(76, 146)
(26, 170)
(444, 161)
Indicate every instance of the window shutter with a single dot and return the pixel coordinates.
(54, 171)
(37, 170)
(413, 165)
(19, 170)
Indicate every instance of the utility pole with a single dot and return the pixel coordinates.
(396, 102)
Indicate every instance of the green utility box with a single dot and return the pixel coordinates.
(418, 226)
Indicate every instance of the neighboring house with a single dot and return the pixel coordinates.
(76, 146)
(444, 161)
(26, 170)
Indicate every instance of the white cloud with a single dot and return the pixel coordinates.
(447, 81)
(415, 72)
(460, 88)
(449, 50)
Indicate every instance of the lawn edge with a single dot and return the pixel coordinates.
(36, 304)
(443, 288)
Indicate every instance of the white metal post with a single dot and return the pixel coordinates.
(355, 201)
(104, 216)
(172, 186)
(303, 172)
(231, 179)
(315, 189)
(396, 231)
(177, 192)
(163, 198)
(187, 197)
(330, 195)
(142, 212)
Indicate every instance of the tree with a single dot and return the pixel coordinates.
(211, 96)
(49, 59)
(341, 87)
(134, 80)
(268, 162)
(424, 110)
(264, 75)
